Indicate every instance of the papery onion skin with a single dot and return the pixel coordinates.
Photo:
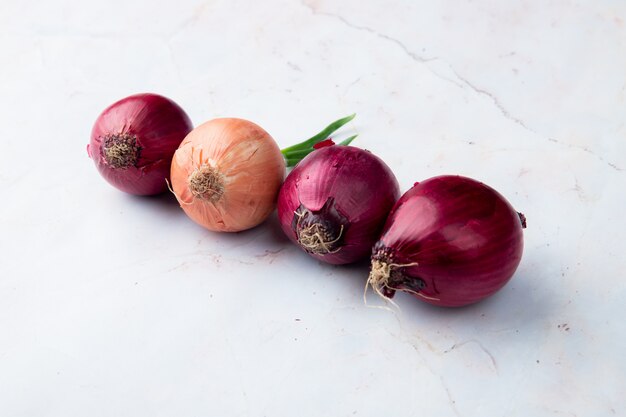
(337, 198)
(450, 241)
(147, 129)
(226, 174)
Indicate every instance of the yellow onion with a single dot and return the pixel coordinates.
(226, 174)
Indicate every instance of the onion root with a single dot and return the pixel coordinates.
(315, 238)
(206, 183)
(381, 273)
(120, 150)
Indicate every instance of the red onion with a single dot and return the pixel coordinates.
(133, 142)
(449, 241)
(335, 201)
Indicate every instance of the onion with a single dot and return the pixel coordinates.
(134, 139)
(227, 172)
(450, 241)
(335, 201)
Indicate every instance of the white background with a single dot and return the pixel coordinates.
(113, 305)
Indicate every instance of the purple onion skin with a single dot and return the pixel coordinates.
(454, 241)
(151, 128)
(345, 191)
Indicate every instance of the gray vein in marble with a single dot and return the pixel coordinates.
(352, 84)
(481, 346)
(492, 97)
(587, 150)
(270, 255)
(294, 66)
(408, 336)
(451, 400)
(200, 257)
(464, 82)
(444, 385)
(579, 190)
(402, 46)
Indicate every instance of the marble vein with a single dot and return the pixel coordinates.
(451, 400)
(492, 97)
(407, 337)
(589, 151)
(481, 346)
(397, 42)
(460, 81)
(294, 66)
(352, 84)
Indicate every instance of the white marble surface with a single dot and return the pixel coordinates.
(112, 305)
